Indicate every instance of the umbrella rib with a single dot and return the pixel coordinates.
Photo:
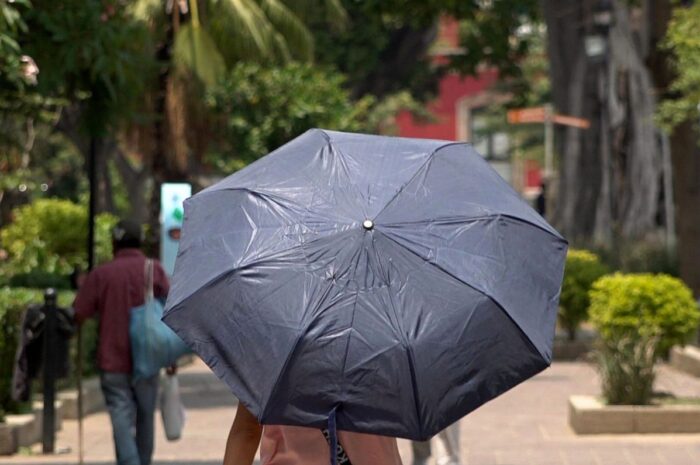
(221, 275)
(347, 345)
(256, 261)
(343, 164)
(300, 336)
(415, 175)
(473, 219)
(409, 353)
(480, 291)
(272, 197)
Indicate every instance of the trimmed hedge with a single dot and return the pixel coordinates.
(583, 268)
(13, 302)
(48, 236)
(644, 305)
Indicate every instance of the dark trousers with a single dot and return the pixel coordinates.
(131, 408)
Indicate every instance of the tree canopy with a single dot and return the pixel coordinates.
(683, 41)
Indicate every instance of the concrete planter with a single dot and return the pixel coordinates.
(7, 440)
(588, 415)
(686, 359)
(26, 429)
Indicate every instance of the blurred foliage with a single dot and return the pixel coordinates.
(493, 35)
(20, 104)
(92, 53)
(50, 235)
(683, 41)
(40, 280)
(626, 366)
(210, 36)
(53, 168)
(583, 268)
(387, 46)
(639, 256)
(261, 108)
(644, 305)
(11, 25)
(13, 303)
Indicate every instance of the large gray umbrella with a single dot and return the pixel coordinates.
(398, 283)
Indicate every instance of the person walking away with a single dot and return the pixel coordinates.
(295, 445)
(109, 292)
(450, 441)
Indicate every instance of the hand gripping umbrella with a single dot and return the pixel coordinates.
(390, 284)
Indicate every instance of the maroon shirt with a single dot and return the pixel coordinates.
(111, 290)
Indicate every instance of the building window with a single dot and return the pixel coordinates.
(487, 134)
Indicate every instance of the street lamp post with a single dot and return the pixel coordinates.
(596, 45)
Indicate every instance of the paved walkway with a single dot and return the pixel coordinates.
(526, 426)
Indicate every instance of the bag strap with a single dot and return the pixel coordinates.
(148, 280)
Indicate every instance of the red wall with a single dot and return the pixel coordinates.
(452, 88)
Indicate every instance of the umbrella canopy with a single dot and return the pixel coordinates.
(400, 283)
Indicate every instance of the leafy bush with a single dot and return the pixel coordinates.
(260, 108)
(40, 280)
(49, 235)
(13, 302)
(626, 368)
(583, 268)
(263, 108)
(644, 305)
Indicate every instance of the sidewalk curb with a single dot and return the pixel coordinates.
(686, 359)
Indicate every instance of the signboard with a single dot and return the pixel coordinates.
(541, 115)
(172, 196)
(527, 115)
(572, 121)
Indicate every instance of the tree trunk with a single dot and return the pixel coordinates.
(159, 160)
(610, 174)
(135, 182)
(685, 155)
(405, 48)
(105, 194)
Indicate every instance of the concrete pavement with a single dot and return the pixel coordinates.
(526, 426)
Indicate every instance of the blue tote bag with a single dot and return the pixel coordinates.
(153, 344)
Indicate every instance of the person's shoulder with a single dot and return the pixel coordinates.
(101, 269)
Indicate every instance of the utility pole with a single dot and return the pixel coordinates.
(548, 141)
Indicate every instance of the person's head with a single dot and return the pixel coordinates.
(126, 234)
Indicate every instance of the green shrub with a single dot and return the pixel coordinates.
(626, 367)
(50, 235)
(644, 305)
(40, 280)
(583, 268)
(13, 302)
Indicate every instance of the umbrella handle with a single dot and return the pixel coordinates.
(333, 437)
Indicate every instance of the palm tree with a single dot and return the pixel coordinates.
(196, 41)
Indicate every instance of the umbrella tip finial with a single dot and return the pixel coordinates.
(368, 225)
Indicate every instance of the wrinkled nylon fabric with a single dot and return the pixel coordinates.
(447, 301)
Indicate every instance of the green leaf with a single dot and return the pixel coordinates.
(194, 50)
(246, 21)
(295, 35)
